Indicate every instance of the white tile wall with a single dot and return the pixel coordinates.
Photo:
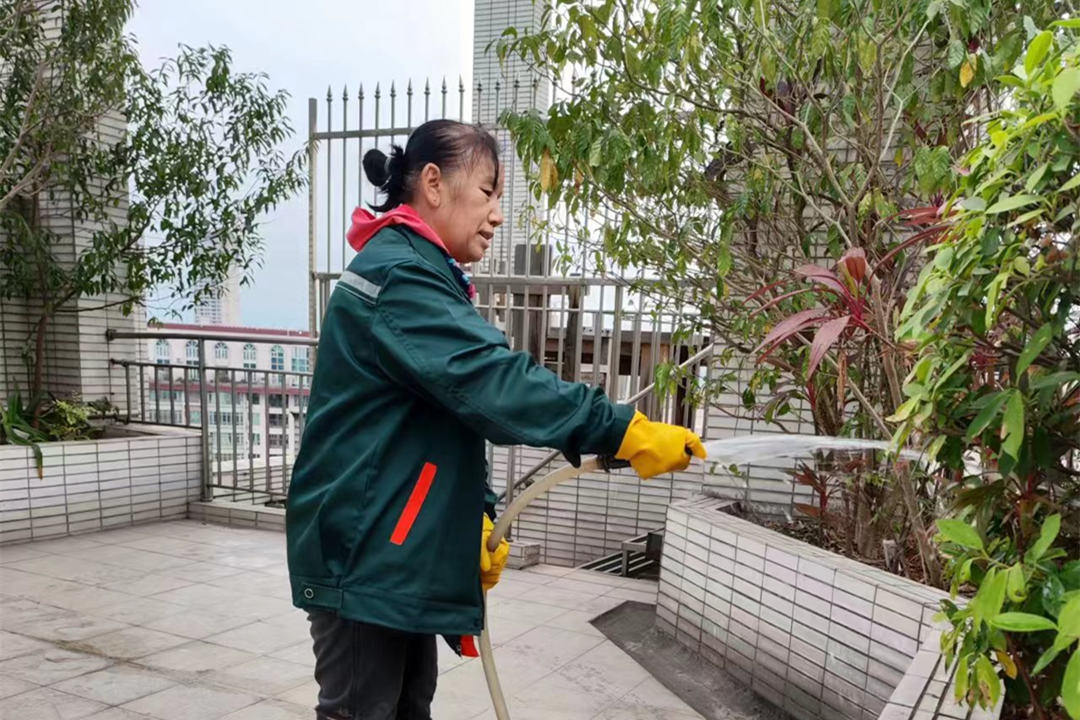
(584, 519)
(587, 518)
(97, 484)
(238, 514)
(820, 635)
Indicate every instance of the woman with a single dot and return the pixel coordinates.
(389, 501)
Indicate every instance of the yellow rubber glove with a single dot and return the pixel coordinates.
(491, 563)
(655, 448)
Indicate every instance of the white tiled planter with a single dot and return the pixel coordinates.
(821, 636)
(91, 485)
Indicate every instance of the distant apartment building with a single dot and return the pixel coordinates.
(257, 389)
(223, 305)
(257, 383)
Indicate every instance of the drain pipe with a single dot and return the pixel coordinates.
(568, 472)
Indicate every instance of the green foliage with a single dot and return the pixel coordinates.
(735, 142)
(995, 315)
(42, 421)
(66, 419)
(175, 202)
(17, 428)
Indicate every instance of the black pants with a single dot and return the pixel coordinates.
(366, 672)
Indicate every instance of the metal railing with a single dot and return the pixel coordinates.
(583, 323)
(249, 419)
(342, 149)
(336, 182)
(584, 326)
(512, 486)
(591, 333)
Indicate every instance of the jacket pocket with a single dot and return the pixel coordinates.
(415, 502)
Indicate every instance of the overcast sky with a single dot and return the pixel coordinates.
(303, 47)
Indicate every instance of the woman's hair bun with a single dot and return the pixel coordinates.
(387, 172)
(376, 167)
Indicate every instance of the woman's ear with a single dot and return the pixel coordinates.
(431, 184)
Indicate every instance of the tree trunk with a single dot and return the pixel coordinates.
(927, 553)
(39, 367)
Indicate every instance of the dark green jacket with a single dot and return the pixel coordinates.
(390, 484)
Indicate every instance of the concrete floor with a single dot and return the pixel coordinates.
(186, 621)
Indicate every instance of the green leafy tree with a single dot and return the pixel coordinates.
(753, 154)
(996, 389)
(175, 201)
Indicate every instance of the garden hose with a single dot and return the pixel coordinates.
(569, 472)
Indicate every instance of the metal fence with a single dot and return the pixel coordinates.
(576, 317)
(336, 182)
(351, 124)
(252, 420)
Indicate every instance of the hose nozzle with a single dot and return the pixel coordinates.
(607, 463)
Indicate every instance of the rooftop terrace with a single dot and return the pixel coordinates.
(188, 621)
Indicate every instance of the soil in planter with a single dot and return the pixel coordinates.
(829, 537)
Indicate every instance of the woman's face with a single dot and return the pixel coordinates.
(469, 210)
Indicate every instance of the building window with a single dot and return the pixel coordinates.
(221, 352)
(250, 356)
(300, 359)
(256, 439)
(161, 349)
(191, 352)
(277, 358)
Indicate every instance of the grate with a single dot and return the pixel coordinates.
(638, 557)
